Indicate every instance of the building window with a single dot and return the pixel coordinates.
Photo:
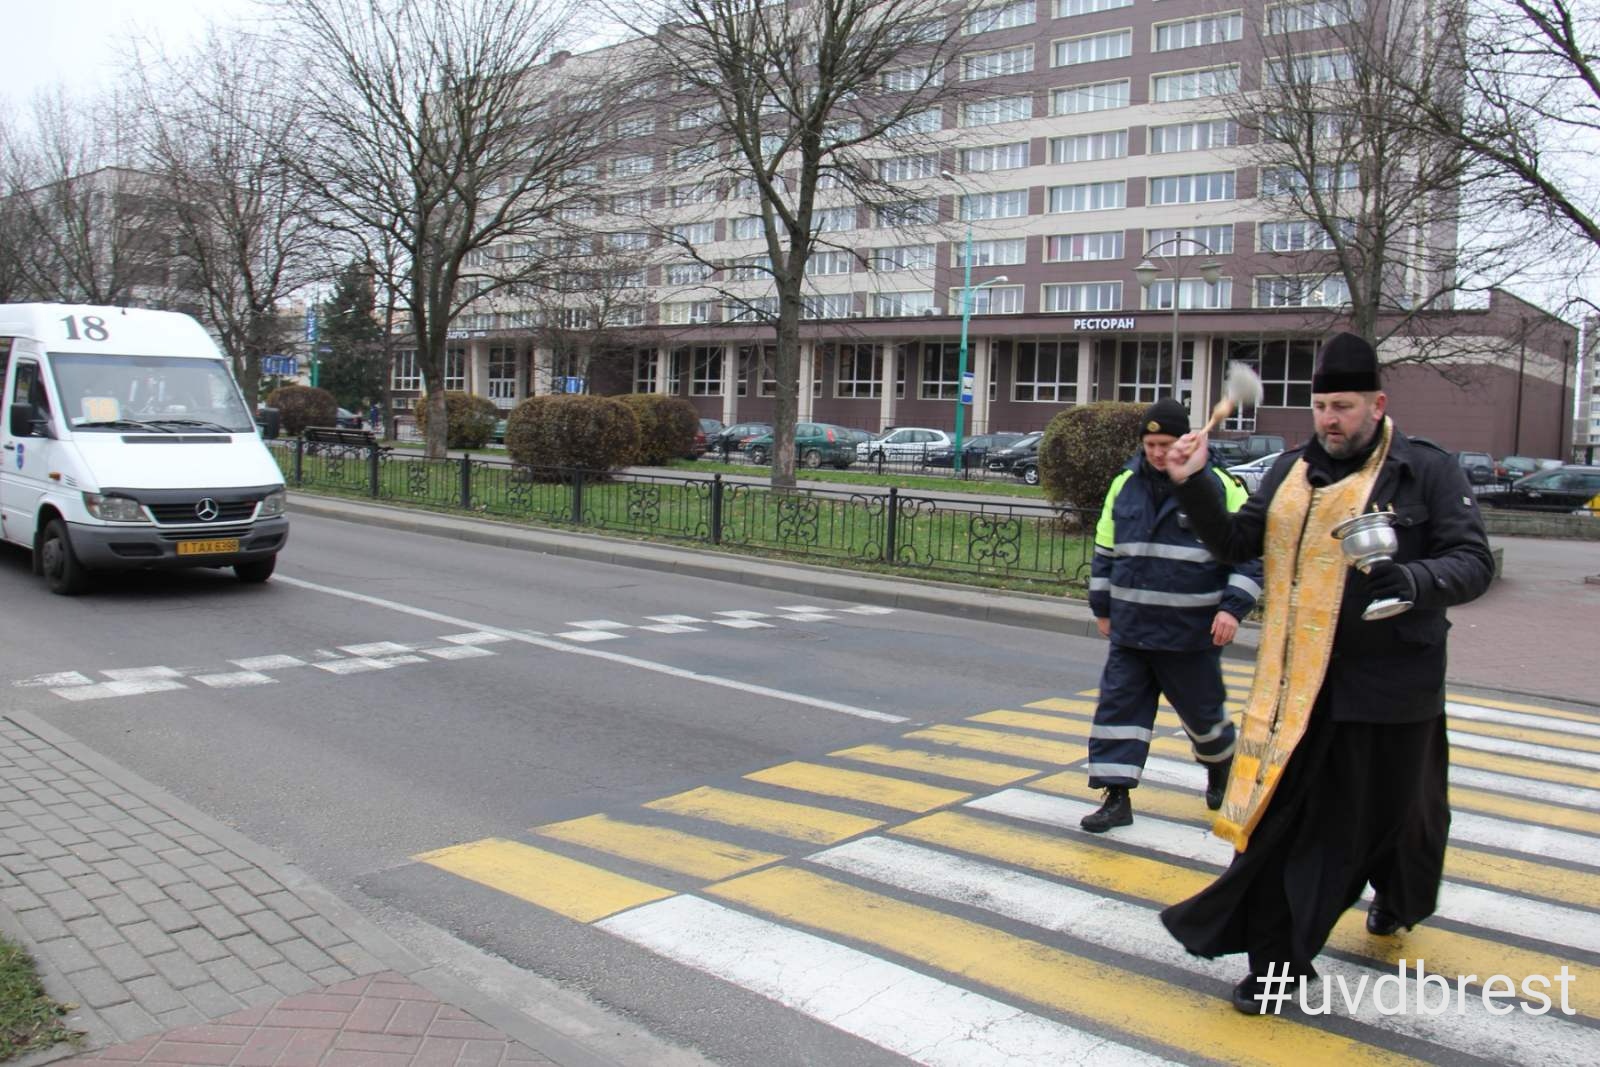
(896, 305)
(1144, 371)
(1302, 291)
(1195, 32)
(995, 157)
(1194, 136)
(1083, 296)
(628, 166)
(1066, 9)
(407, 375)
(1192, 293)
(905, 257)
(1083, 247)
(1087, 147)
(644, 370)
(694, 193)
(627, 241)
(1311, 69)
(1010, 204)
(455, 370)
(911, 79)
(827, 306)
(1195, 84)
(586, 172)
(1017, 60)
(1288, 181)
(1297, 236)
(630, 203)
(941, 366)
(903, 213)
(695, 155)
(1286, 373)
(1000, 109)
(1098, 96)
(686, 312)
(833, 220)
(751, 309)
(859, 372)
(696, 117)
(999, 17)
(1046, 372)
(829, 261)
(746, 228)
(989, 300)
(705, 376)
(1192, 188)
(1093, 48)
(909, 168)
(1313, 15)
(642, 126)
(502, 373)
(688, 273)
(929, 120)
(1008, 252)
(1192, 240)
(1089, 196)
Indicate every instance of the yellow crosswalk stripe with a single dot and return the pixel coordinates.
(1522, 767)
(576, 890)
(1519, 876)
(1074, 985)
(1001, 743)
(657, 846)
(1532, 709)
(1029, 720)
(962, 768)
(802, 822)
(1071, 707)
(1530, 811)
(1142, 878)
(1532, 735)
(880, 789)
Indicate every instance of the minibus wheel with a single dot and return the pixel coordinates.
(62, 571)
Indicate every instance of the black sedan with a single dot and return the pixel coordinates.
(974, 451)
(1561, 489)
(1020, 458)
(733, 438)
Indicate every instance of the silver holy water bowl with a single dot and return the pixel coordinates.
(1367, 540)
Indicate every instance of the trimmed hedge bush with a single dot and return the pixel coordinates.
(300, 406)
(667, 426)
(470, 419)
(1084, 448)
(591, 432)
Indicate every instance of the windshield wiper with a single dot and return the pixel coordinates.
(206, 423)
(108, 423)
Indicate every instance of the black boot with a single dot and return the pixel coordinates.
(1117, 810)
(1381, 921)
(1217, 782)
(1245, 997)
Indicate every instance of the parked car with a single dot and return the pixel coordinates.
(703, 434)
(974, 451)
(733, 438)
(1021, 458)
(346, 419)
(1561, 489)
(815, 443)
(905, 443)
(1241, 450)
(1511, 468)
(1250, 474)
(1479, 467)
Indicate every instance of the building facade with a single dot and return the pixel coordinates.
(1092, 135)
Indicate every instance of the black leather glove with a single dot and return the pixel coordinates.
(1390, 579)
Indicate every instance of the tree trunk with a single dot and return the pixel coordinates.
(787, 371)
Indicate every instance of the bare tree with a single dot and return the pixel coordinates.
(244, 234)
(1370, 207)
(796, 106)
(588, 310)
(437, 136)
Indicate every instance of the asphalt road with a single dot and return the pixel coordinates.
(628, 781)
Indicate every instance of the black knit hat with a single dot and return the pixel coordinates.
(1346, 364)
(1165, 416)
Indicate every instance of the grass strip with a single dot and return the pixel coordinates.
(29, 1020)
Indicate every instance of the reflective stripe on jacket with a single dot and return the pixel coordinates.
(1160, 586)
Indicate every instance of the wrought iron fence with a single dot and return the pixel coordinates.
(895, 527)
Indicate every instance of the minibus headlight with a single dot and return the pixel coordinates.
(111, 508)
(272, 504)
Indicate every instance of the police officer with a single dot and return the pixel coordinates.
(1168, 607)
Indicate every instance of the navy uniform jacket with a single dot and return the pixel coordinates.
(1152, 576)
(1388, 670)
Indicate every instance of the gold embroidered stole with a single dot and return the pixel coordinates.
(1305, 576)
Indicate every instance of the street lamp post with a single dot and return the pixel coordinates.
(967, 300)
(1148, 273)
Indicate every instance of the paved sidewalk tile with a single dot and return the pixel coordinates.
(378, 1020)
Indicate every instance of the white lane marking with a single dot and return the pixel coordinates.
(267, 663)
(674, 628)
(868, 609)
(742, 614)
(141, 674)
(235, 679)
(1479, 713)
(117, 689)
(52, 681)
(599, 624)
(743, 624)
(477, 637)
(596, 653)
(456, 652)
(351, 666)
(1483, 908)
(590, 635)
(807, 616)
(803, 609)
(1525, 838)
(1133, 929)
(674, 618)
(1542, 753)
(375, 648)
(402, 660)
(893, 1007)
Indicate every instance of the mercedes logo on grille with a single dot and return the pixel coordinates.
(207, 510)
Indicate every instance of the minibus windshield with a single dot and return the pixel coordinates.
(170, 394)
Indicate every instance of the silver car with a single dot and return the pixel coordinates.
(1251, 473)
(903, 443)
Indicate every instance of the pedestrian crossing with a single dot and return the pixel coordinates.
(931, 893)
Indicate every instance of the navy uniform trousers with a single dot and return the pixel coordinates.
(1130, 687)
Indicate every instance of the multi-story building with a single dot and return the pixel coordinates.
(1097, 134)
(1586, 432)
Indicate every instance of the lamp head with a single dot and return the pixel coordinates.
(1211, 271)
(1147, 273)
(947, 176)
